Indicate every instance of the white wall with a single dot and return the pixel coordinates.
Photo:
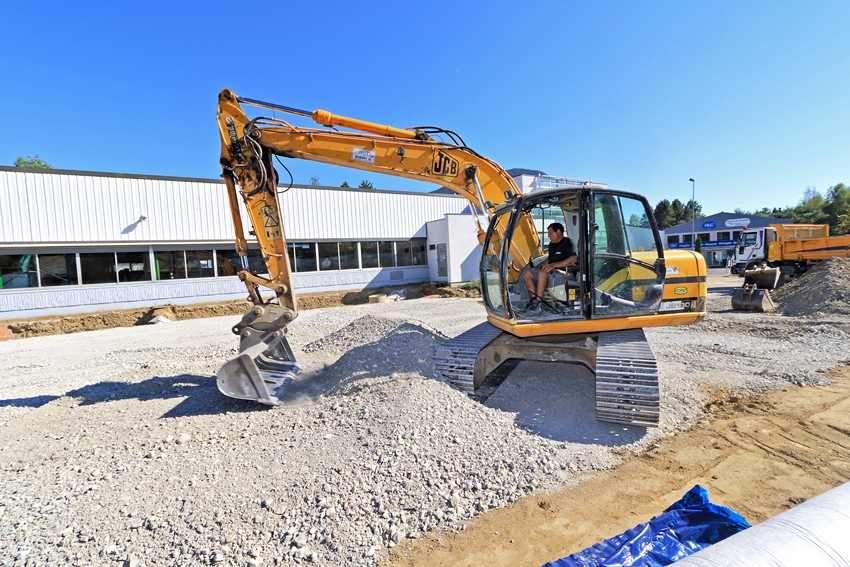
(460, 235)
(464, 252)
(53, 211)
(61, 207)
(438, 233)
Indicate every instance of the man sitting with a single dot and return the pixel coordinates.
(562, 254)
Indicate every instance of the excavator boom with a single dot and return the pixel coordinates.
(247, 148)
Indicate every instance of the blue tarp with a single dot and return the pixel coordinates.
(687, 526)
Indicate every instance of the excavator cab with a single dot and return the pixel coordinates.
(620, 268)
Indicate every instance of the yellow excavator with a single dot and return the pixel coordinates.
(591, 314)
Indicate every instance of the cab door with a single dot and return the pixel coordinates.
(626, 264)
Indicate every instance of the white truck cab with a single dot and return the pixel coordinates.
(752, 248)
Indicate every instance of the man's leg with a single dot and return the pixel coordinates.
(542, 278)
(531, 282)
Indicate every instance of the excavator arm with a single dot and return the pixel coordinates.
(266, 363)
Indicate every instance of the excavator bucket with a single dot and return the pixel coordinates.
(262, 371)
(750, 298)
(763, 277)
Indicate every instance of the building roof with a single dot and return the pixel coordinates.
(724, 221)
(52, 171)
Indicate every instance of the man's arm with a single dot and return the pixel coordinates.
(547, 267)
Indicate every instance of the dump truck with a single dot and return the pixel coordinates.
(771, 256)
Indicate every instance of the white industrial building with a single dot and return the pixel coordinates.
(74, 241)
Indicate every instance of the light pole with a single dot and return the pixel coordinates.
(693, 213)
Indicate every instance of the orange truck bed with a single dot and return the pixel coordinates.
(806, 243)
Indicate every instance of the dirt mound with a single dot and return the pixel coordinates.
(50, 325)
(823, 290)
(121, 318)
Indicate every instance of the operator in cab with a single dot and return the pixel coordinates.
(562, 254)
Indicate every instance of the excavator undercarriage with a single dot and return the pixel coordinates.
(623, 362)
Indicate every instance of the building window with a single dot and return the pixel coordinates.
(736, 234)
(18, 271)
(723, 236)
(386, 253)
(673, 239)
(97, 268)
(328, 256)
(404, 256)
(230, 263)
(420, 251)
(369, 254)
(704, 236)
(686, 238)
(348, 259)
(57, 269)
(199, 263)
(133, 266)
(170, 265)
(305, 257)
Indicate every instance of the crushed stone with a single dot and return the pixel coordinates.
(823, 290)
(117, 448)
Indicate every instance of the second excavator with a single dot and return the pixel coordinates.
(591, 313)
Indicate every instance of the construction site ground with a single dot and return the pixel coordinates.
(117, 449)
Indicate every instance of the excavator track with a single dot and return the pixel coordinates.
(454, 360)
(626, 372)
(627, 379)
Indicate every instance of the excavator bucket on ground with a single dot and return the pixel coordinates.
(763, 277)
(751, 298)
(266, 365)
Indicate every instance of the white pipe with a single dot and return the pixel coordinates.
(814, 533)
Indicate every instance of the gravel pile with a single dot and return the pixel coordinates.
(117, 449)
(823, 290)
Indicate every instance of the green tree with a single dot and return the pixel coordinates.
(33, 162)
(811, 209)
(365, 185)
(842, 225)
(693, 210)
(663, 214)
(314, 180)
(698, 245)
(345, 184)
(681, 212)
(838, 209)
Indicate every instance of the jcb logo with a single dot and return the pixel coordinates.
(445, 165)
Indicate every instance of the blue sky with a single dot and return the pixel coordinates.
(752, 99)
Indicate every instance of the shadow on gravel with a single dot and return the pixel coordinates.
(34, 402)
(558, 402)
(200, 392)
